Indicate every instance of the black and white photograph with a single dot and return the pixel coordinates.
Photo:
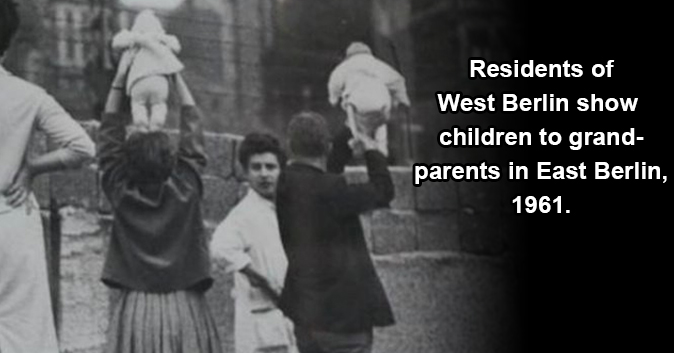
(332, 176)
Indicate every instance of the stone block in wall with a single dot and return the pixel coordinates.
(220, 149)
(481, 196)
(436, 195)
(404, 190)
(481, 233)
(77, 188)
(402, 181)
(220, 196)
(393, 231)
(438, 231)
(222, 154)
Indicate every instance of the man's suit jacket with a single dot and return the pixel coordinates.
(331, 284)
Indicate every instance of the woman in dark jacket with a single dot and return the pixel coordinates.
(158, 255)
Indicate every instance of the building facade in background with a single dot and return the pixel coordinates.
(253, 63)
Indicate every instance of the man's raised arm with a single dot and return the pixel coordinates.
(377, 192)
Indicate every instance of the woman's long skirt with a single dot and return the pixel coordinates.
(176, 322)
(26, 319)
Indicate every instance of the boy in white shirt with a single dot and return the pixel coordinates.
(250, 243)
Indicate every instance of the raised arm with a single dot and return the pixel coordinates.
(191, 127)
(349, 199)
(112, 132)
(341, 153)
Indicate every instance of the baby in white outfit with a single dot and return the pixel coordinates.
(368, 89)
(153, 59)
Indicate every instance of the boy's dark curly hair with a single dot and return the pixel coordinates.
(9, 24)
(258, 143)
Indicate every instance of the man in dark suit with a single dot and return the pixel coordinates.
(332, 291)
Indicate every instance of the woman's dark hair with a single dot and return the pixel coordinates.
(309, 135)
(150, 156)
(9, 24)
(259, 143)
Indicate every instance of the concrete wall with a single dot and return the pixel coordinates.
(444, 252)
